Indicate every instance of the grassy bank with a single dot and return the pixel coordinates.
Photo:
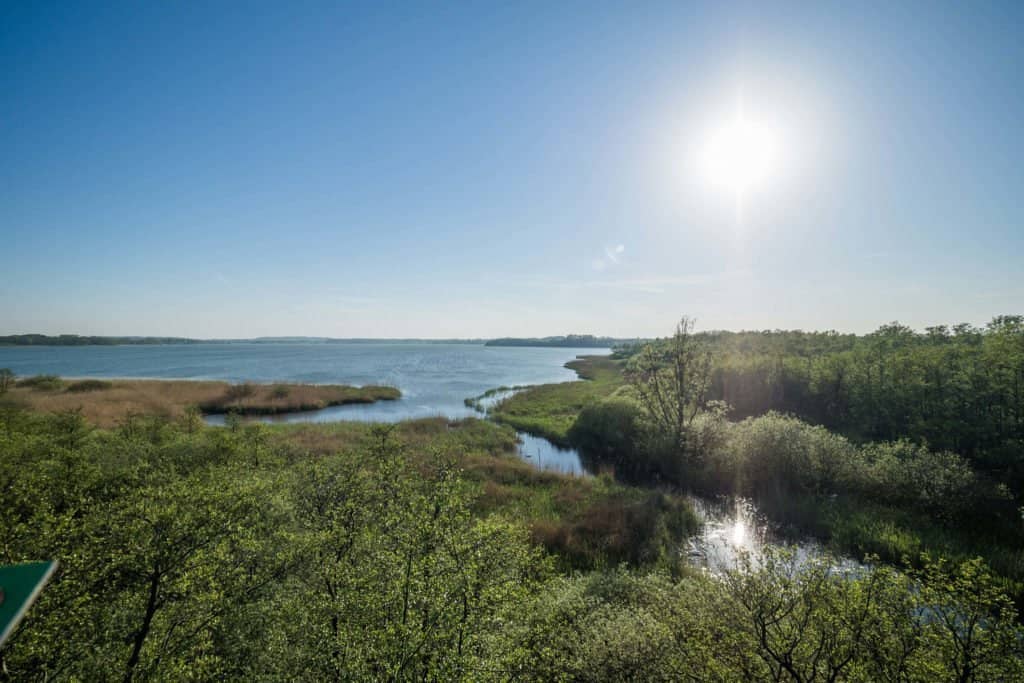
(549, 410)
(107, 402)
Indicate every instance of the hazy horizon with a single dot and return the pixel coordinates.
(481, 339)
(532, 170)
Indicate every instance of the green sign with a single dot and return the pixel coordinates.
(19, 587)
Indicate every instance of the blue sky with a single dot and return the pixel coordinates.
(486, 169)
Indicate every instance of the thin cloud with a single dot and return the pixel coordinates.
(612, 255)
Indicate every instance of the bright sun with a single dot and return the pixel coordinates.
(739, 155)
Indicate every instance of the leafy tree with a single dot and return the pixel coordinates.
(671, 379)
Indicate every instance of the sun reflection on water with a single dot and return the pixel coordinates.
(738, 534)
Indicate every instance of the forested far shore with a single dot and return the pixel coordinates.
(78, 340)
(568, 341)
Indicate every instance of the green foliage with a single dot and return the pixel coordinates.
(237, 392)
(671, 380)
(608, 432)
(260, 553)
(400, 582)
(41, 383)
(773, 622)
(959, 389)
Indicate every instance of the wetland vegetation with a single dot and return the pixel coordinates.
(428, 549)
(107, 402)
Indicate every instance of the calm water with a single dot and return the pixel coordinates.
(547, 456)
(434, 378)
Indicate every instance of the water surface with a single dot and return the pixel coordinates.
(434, 378)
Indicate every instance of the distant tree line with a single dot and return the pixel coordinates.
(569, 340)
(77, 340)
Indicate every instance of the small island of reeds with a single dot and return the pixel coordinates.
(106, 402)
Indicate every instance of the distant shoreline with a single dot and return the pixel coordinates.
(77, 340)
(64, 340)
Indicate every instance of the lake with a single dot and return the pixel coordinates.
(434, 378)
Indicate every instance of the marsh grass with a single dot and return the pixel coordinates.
(477, 402)
(550, 410)
(107, 403)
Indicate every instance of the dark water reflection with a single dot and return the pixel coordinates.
(545, 455)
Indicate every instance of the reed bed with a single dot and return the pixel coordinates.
(109, 403)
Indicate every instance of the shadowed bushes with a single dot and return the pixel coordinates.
(89, 385)
(608, 432)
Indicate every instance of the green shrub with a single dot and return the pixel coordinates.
(236, 392)
(608, 433)
(41, 383)
(783, 455)
(902, 473)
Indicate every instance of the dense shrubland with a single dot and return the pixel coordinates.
(352, 552)
(774, 622)
(958, 389)
(895, 486)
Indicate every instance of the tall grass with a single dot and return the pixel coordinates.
(550, 410)
(107, 403)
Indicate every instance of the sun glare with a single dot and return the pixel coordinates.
(740, 155)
